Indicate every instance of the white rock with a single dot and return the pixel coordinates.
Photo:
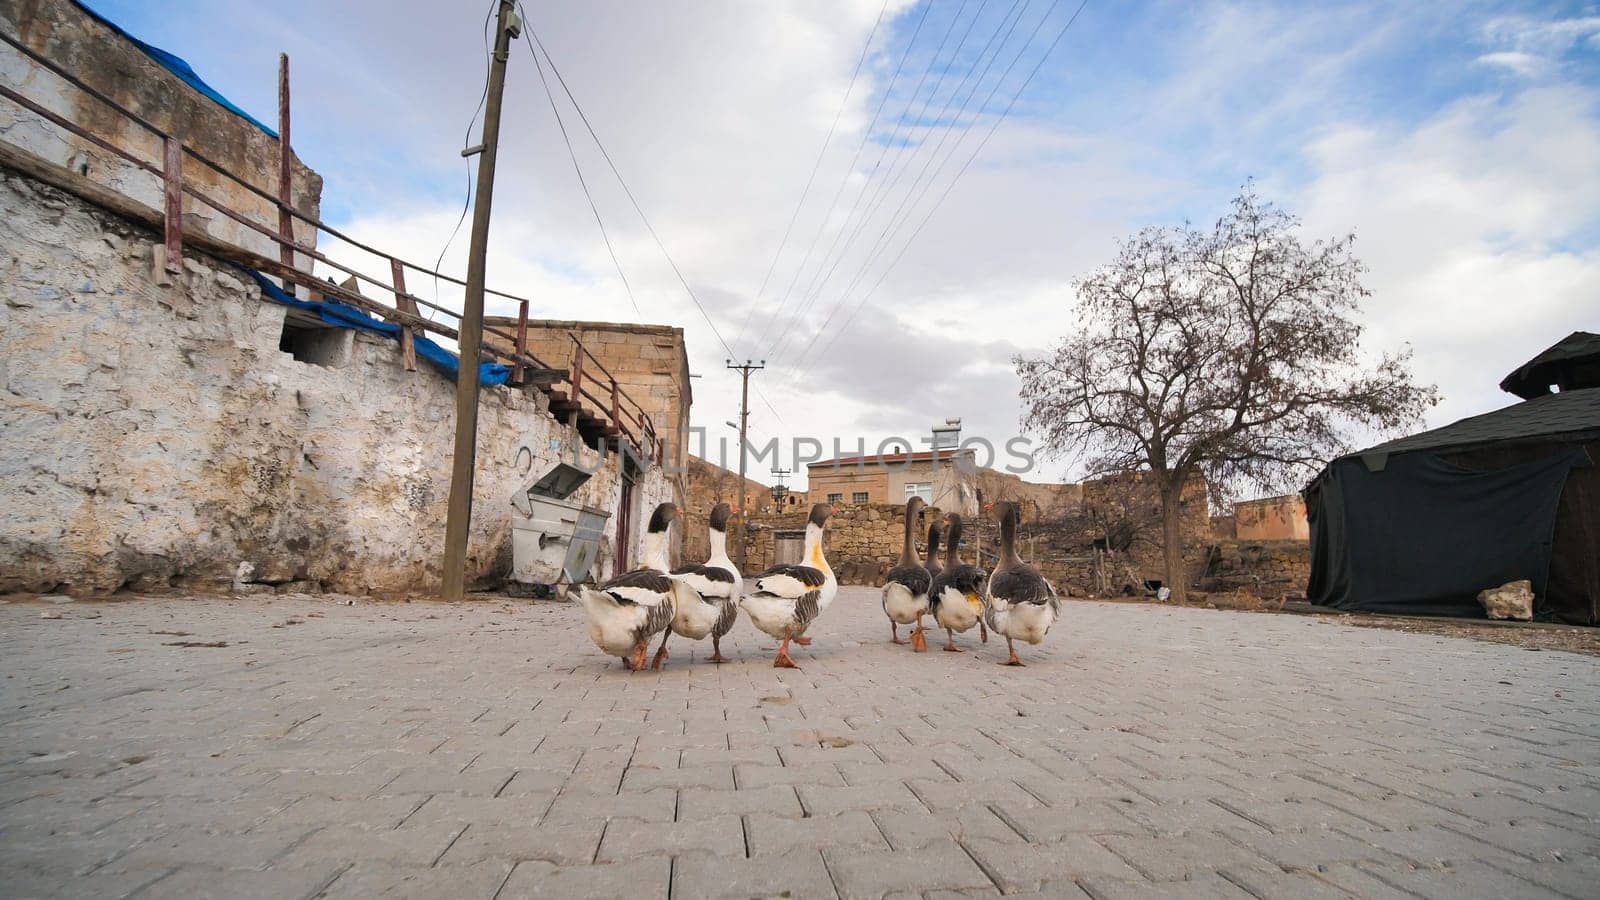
(1513, 600)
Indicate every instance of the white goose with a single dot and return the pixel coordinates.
(788, 598)
(956, 597)
(1020, 604)
(629, 610)
(718, 586)
(905, 594)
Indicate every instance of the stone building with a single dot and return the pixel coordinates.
(944, 478)
(161, 430)
(1272, 519)
(649, 363)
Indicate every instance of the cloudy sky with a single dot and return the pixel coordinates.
(1460, 142)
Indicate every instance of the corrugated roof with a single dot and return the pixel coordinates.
(1569, 413)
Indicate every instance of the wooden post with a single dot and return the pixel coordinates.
(172, 197)
(285, 169)
(517, 370)
(616, 406)
(458, 516)
(577, 370)
(404, 303)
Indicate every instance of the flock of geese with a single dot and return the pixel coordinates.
(700, 601)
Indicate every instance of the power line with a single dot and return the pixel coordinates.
(581, 181)
(466, 202)
(813, 176)
(588, 126)
(913, 195)
(785, 335)
(845, 178)
(977, 150)
(623, 182)
(885, 186)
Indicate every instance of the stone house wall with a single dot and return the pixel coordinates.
(1272, 519)
(157, 436)
(650, 363)
(65, 34)
(705, 485)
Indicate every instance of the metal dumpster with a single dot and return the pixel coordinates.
(553, 540)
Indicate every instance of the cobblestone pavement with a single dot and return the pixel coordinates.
(488, 749)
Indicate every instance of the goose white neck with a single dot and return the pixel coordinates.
(814, 557)
(654, 552)
(719, 545)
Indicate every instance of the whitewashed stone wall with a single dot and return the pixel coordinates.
(154, 436)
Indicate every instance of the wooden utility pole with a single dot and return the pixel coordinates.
(744, 370)
(459, 516)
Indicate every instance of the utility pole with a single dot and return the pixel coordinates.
(459, 516)
(744, 370)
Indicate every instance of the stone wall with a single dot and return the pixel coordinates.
(1272, 519)
(705, 485)
(862, 544)
(63, 33)
(1268, 569)
(154, 436)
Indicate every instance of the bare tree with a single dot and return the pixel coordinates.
(1231, 352)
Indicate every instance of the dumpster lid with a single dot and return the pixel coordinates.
(560, 482)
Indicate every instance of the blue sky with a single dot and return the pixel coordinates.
(1460, 142)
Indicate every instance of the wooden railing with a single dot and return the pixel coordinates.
(621, 415)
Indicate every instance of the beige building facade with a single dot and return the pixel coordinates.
(944, 478)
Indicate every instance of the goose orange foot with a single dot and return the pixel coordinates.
(783, 661)
(1013, 661)
(803, 641)
(894, 634)
(716, 651)
(919, 642)
(639, 651)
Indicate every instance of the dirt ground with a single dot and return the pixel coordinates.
(1534, 636)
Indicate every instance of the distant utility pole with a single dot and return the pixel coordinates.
(744, 370)
(470, 340)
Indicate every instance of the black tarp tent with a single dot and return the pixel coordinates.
(1420, 525)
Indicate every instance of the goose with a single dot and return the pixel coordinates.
(956, 597)
(719, 585)
(629, 610)
(905, 594)
(788, 598)
(935, 532)
(1020, 603)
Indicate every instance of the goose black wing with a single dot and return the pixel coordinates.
(1021, 585)
(914, 577)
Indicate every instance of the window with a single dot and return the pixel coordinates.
(858, 497)
(835, 498)
(920, 489)
(318, 346)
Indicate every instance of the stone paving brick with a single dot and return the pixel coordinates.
(716, 778)
(822, 774)
(581, 806)
(915, 829)
(821, 800)
(768, 835)
(798, 873)
(1204, 886)
(1163, 859)
(1044, 825)
(1300, 883)
(241, 884)
(777, 800)
(631, 838)
(422, 845)
(873, 873)
(1142, 730)
(641, 879)
(1017, 866)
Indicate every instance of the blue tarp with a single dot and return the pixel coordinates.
(178, 67)
(343, 315)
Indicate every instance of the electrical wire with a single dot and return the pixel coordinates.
(913, 196)
(892, 177)
(935, 208)
(808, 296)
(571, 154)
(845, 178)
(588, 126)
(843, 102)
(466, 202)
